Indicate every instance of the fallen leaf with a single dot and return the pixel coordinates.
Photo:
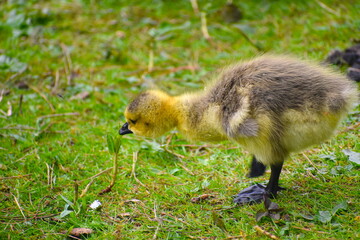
(124, 215)
(261, 214)
(266, 233)
(326, 156)
(275, 216)
(106, 190)
(272, 210)
(307, 216)
(201, 198)
(341, 206)
(324, 216)
(353, 156)
(78, 232)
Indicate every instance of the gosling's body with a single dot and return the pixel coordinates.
(271, 105)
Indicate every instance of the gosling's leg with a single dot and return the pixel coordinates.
(257, 168)
(273, 185)
(255, 193)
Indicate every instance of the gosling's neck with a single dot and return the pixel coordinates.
(196, 119)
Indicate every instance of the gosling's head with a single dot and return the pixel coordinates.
(150, 114)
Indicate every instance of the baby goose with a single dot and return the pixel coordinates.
(271, 105)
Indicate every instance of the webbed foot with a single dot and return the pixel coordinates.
(251, 195)
(254, 194)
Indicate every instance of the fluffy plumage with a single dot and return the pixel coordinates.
(271, 105)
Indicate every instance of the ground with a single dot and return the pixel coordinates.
(67, 71)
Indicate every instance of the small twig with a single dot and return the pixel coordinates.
(9, 112)
(14, 177)
(19, 127)
(56, 84)
(102, 213)
(3, 113)
(192, 146)
(262, 231)
(182, 165)
(45, 129)
(236, 237)
(327, 8)
(311, 175)
(195, 6)
(87, 187)
(58, 115)
(309, 230)
(73, 237)
(35, 217)
(176, 219)
(67, 62)
(204, 28)
(44, 216)
(135, 157)
(159, 220)
(249, 40)
(156, 231)
(92, 180)
(18, 205)
(98, 174)
(49, 175)
(311, 162)
(350, 128)
(43, 96)
(76, 190)
(180, 157)
(151, 60)
(166, 147)
(173, 153)
(2, 94)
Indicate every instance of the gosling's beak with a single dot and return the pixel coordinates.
(125, 129)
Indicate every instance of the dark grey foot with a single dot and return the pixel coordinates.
(253, 194)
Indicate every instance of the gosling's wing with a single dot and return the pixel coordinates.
(248, 128)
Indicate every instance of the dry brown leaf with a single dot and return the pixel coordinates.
(124, 215)
(201, 198)
(78, 232)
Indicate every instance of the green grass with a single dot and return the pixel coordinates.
(108, 44)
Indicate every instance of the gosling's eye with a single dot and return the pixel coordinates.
(132, 121)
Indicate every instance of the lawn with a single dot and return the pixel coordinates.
(68, 70)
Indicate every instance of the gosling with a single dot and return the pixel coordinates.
(271, 105)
